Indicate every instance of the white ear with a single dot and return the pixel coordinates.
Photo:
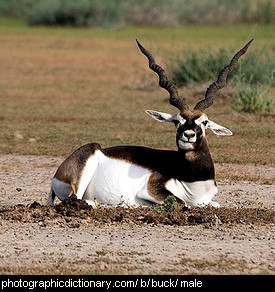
(218, 130)
(161, 117)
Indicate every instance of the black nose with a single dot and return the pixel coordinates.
(189, 134)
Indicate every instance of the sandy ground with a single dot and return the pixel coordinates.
(129, 248)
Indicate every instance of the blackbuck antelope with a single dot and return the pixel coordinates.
(132, 175)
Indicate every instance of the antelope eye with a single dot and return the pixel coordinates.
(205, 123)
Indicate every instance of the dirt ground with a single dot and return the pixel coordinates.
(71, 238)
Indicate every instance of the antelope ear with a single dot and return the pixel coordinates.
(161, 117)
(218, 130)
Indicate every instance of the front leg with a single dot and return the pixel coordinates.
(155, 190)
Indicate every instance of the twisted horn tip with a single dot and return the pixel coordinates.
(139, 45)
(247, 45)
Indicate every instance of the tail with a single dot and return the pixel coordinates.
(50, 201)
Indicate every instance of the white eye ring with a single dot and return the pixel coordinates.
(201, 120)
(182, 122)
(179, 123)
(180, 119)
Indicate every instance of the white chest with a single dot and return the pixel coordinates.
(196, 194)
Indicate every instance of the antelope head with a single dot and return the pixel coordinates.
(191, 124)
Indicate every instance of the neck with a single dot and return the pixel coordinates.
(199, 159)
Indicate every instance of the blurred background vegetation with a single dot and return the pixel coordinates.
(87, 13)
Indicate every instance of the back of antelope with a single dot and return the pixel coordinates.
(133, 175)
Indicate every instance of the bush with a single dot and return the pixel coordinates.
(258, 67)
(16, 8)
(81, 13)
(252, 99)
(198, 66)
(204, 66)
(135, 12)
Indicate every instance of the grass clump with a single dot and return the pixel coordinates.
(252, 99)
(204, 65)
(198, 66)
(170, 205)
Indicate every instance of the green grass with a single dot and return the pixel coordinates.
(195, 67)
(252, 99)
(63, 87)
(169, 206)
(221, 35)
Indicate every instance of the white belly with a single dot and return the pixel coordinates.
(117, 182)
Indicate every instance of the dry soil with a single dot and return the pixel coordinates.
(72, 238)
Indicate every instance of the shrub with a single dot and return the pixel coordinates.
(258, 67)
(252, 99)
(81, 13)
(16, 8)
(134, 12)
(204, 65)
(198, 66)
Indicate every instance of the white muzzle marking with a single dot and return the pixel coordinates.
(187, 139)
(186, 145)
